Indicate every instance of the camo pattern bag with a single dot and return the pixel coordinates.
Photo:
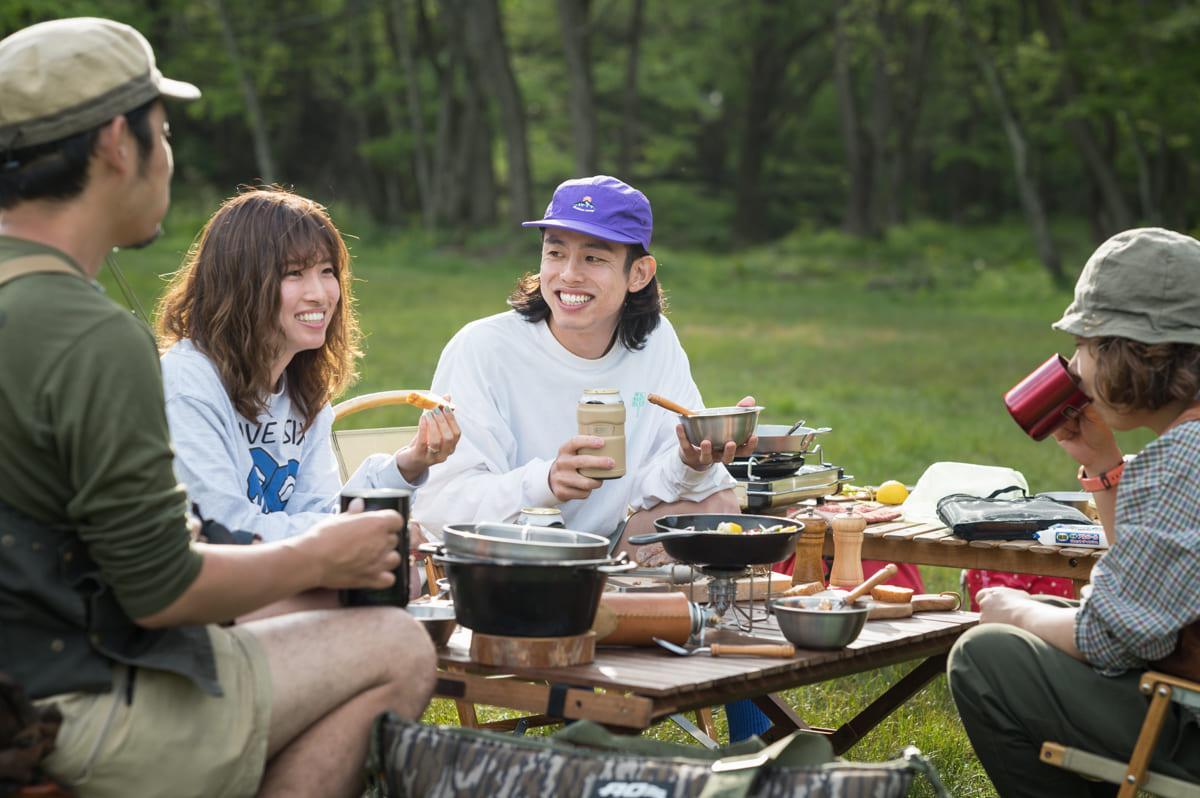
(410, 759)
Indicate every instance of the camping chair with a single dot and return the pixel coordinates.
(352, 446)
(1133, 775)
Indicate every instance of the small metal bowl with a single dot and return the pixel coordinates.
(805, 626)
(437, 619)
(720, 425)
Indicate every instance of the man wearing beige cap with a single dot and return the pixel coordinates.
(108, 608)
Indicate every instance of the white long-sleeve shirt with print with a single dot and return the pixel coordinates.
(267, 475)
(516, 389)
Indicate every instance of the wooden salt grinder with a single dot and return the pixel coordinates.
(847, 568)
(808, 564)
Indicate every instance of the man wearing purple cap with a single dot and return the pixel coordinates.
(109, 610)
(591, 318)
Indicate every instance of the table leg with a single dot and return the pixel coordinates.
(854, 729)
(694, 731)
(784, 719)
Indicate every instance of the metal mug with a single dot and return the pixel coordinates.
(1046, 399)
(397, 594)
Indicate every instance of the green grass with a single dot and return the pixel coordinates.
(904, 347)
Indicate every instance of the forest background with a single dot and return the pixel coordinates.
(742, 120)
(867, 212)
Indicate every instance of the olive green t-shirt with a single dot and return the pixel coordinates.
(84, 444)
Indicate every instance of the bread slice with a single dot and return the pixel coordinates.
(891, 594)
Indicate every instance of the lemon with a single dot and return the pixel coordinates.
(729, 526)
(891, 492)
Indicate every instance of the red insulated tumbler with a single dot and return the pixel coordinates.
(1045, 399)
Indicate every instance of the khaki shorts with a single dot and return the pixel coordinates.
(174, 740)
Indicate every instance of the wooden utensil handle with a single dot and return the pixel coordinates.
(783, 650)
(655, 399)
(884, 573)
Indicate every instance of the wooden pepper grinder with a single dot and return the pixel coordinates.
(809, 567)
(847, 568)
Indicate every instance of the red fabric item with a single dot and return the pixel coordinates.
(1045, 585)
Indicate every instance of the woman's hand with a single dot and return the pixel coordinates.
(437, 437)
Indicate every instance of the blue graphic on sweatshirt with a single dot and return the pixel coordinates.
(270, 485)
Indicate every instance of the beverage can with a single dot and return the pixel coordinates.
(541, 516)
(397, 594)
(601, 412)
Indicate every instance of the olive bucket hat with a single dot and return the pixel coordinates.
(1142, 284)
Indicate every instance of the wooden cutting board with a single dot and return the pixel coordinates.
(922, 602)
(533, 652)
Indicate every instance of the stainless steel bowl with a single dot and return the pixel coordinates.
(721, 424)
(437, 618)
(805, 626)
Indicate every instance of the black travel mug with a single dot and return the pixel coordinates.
(397, 594)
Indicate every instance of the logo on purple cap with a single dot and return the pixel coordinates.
(585, 205)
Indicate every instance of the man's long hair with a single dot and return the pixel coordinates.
(639, 315)
(226, 299)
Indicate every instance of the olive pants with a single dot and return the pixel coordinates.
(1015, 691)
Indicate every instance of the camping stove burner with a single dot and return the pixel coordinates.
(722, 598)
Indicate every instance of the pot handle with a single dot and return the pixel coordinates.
(618, 568)
(430, 548)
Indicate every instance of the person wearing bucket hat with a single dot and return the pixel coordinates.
(1039, 669)
(591, 317)
(110, 610)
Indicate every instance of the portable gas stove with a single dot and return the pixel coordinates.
(780, 479)
(723, 607)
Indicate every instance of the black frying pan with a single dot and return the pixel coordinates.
(703, 546)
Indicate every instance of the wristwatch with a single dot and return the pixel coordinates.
(1106, 481)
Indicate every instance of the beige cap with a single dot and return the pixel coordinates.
(66, 76)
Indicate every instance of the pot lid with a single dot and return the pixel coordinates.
(522, 543)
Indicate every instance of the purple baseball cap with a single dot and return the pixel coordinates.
(600, 206)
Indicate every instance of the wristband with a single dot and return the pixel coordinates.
(1106, 481)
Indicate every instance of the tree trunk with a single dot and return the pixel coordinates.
(416, 119)
(628, 150)
(1031, 200)
(488, 40)
(854, 220)
(263, 156)
(1116, 212)
(573, 17)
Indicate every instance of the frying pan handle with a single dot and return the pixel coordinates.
(655, 537)
(782, 650)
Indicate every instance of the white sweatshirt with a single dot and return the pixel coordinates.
(516, 388)
(264, 475)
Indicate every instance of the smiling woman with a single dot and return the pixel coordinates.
(258, 332)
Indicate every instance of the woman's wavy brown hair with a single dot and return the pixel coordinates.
(1131, 375)
(225, 298)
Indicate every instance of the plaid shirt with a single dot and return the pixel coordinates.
(1147, 587)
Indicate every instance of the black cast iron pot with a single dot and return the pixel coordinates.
(520, 599)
